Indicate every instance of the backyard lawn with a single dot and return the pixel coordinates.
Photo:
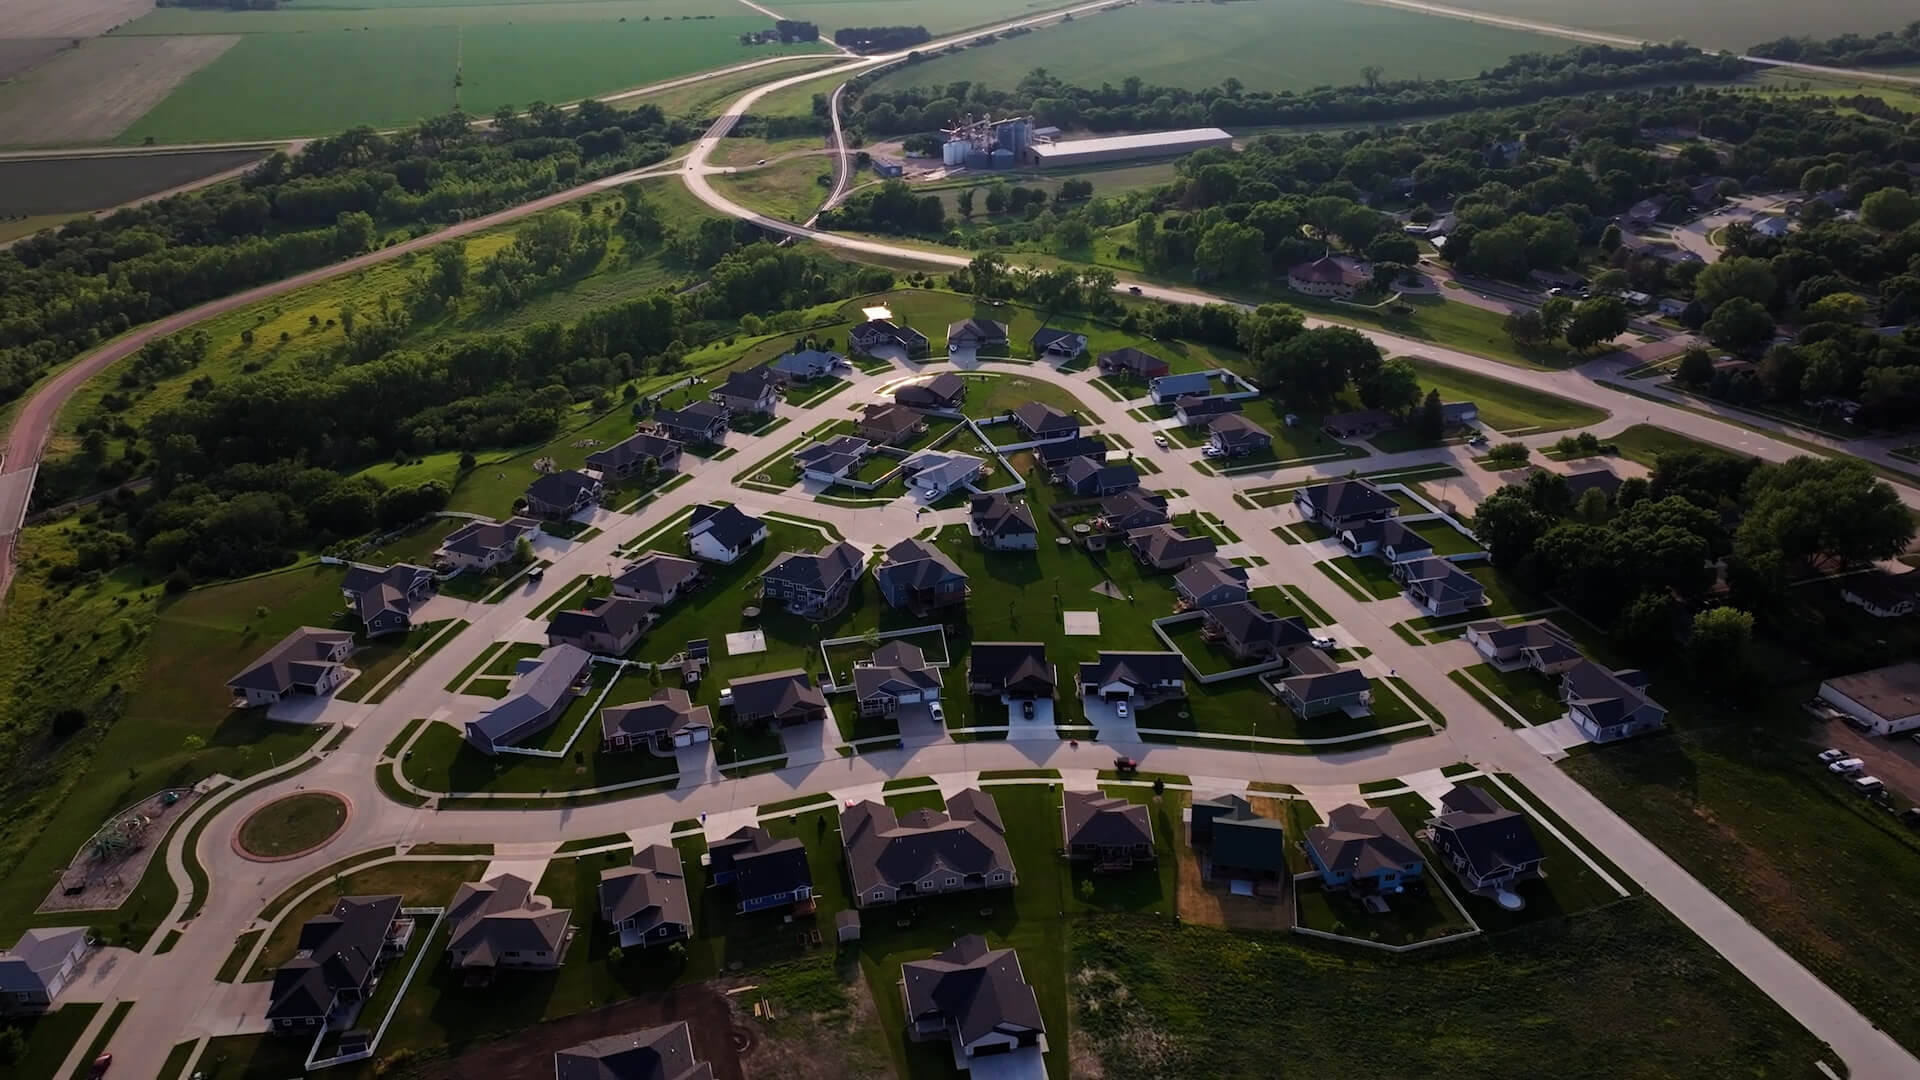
(1370, 573)
(1526, 691)
(419, 884)
(1416, 915)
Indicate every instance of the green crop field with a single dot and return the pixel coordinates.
(1266, 44)
(1715, 24)
(304, 71)
(938, 16)
(66, 185)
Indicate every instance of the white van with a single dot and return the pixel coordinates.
(1866, 785)
(1847, 766)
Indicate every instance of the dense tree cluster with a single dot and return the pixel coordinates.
(1133, 105)
(63, 293)
(877, 39)
(1885, 49)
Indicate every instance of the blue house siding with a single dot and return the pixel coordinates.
(792, 896)
(1383, 880)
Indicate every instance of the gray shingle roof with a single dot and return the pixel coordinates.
(661, 1053)
(1017, 666)
(976, 989)
(1096, 818)
(1363, 839)
(776, 693)
(298, 657)
(1389, 533)
(494, 917)
(478, 538)
(614, 615)
(670, 711)
(818, 570)
(1246, 622)
(762, 865)
(726, 524)
(1136, 669)
(1487, 835)
(888, 849)
(1041, 420)
(1606, 696)
(641, 446)
(998, 515)
(1348, 498)
(652, 889)
(336, 951)
(533, 693)
(656, 574)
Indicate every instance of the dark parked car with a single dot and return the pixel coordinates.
(1026, 709)
(1125, 765)
(1910, 817)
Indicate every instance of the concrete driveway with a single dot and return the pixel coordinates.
(809, 743)
(1105, 720)
(917, 725)
(1040, 727)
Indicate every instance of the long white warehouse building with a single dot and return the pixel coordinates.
(1123, 147)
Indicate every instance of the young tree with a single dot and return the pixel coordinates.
(1508, 455)
(1525, 327)
(1432, 421)
(964, 201)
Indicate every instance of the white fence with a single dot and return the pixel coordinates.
(585, 718)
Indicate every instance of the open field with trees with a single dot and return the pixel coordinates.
(1261, 44)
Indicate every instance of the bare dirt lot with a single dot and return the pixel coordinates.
(1210, 904)
(71, 185)
(66, 18)
(90, 94)
(21, 55)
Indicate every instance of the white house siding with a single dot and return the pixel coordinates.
(1876, 723)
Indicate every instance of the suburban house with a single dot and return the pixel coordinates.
(1171, 388)
(657, 578)
(1321, 692)
(816, 584)
(1134, 508)
(1092, 477)
(1885, 701)
(1539, 645)
(896, 674)
(722, 533)
(764, 872)
(384, 596)
(832, 460)
(933, 474)
(1580, 483)
(499, 923)
(1233, 435)
(308, 661)
(479, 546)
(807, 365)
(1209, 582)
(1363, 422)
(976, 998)
(1239, 844)
(1326, 277)
(1054, 456)
(646, 900)
(976, 334)
(1386, 538)
(754, 391)
(888, 424)
(1609, 705)
(1012, 669)
(1364, 850)
(1439, 587)
(562, 494)
(37, 968)
(920, 577)
(604, 626)
(1131, 361)
(1201, 410)
(778, 698)
(1882, 595)
(1164, 547)
(662, 723)
(882, 334)
(539, 693)
(942, 393)
(629, 456)
(1002, 523)
(1252, 634)
(1489, 847)
(1113, 832)
(892, 857)
(1064, 345)
(1458, 413)
(334, 962)
(1044, 422)
(699, 423)
(661, 1053)
(1340, 504)
(1142, 679)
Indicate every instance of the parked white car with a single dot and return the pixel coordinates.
(1160, 441)
(934, 710)
(1830, 755)
(1847, 766)
(1121, 710)
(1867, 785)
(1211, 451)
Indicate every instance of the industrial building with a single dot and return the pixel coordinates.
(1128, 147)
(987, 143)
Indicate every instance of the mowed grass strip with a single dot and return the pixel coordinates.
(293, 824)
(419, 884)
(1506, 406)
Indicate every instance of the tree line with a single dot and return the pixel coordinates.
(1887, 48)
(63, 293)
(875, 39)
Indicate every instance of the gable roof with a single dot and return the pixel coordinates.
(751, 384)
(1242, 838)
(669, 711)
(661, 1053)
(977, 330)
(656, 573)
(1162, 542)
(1326, 270)
(944, 469)
(916, 564)
(1321, 685)
(1048, 336)
(640, 446)
(726, 524)
(1362, 840)
(1489, 836)
(1580, 483)
(999, 515)
(776, 693)
(1609, 697)
(613, 615)
(1132, 359)
(498, 916)
(1540, 634)
(885, 848)
(652, 889)
(35, 959)
(1388, 532)
(1080, 470)
(478, 538)
(839, 446)
(694, 416)
(944, 387)
(806, 362)
(1125, 504)
(539, 686)
(1186, 383)
(1202, 576)
(562, 488)
(336, 951)
(1096, 818)
(818, 569)
(1017, 666)
(1136, 669)
(1245, 621)
(883, 329)
(976, 989)
(1442, 579)
(298, 658)
(1348, 498)
(1204, 404)
(762, 865)
(1053, 453)
(378, 590)
(1234, 429)
(1040, 418)
(889, 417)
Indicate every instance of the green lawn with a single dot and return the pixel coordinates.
(443, 761)
(507, 660)
(1526, 691)
(378, 658)
(1371, 574)
(1504, 406)
(49, 1039)
(1273, 45)
(792, 189)
(1644, 443)
(293, 824)
(1149, 998)
(1412, 916)
(420, 884)
(999, 394)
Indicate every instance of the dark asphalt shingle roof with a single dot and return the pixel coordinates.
(885, 848)
(976, 989)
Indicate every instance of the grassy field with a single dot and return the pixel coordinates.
(1266, 44)
(49, 1039)
(70, 185)
(1707, 25)
(293, 824)
(420, 884)
(1506, 407)
(1149, 998)
(938, 16)
(792, 189)
(303, 71)
(1644, 443)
